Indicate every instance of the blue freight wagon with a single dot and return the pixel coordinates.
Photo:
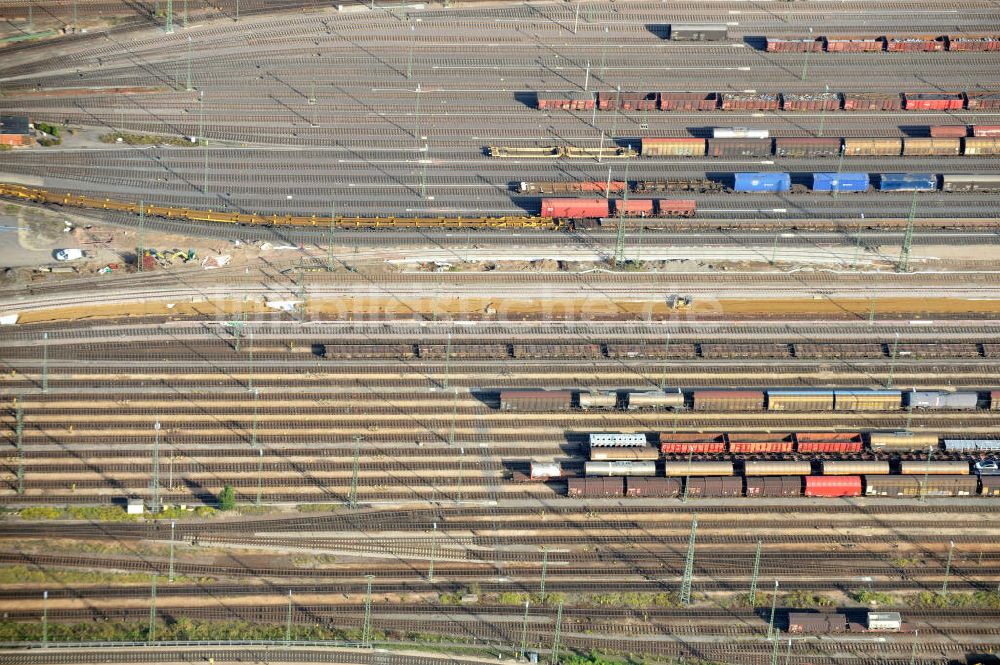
(908, 182)
(840, 182)
(763, 182)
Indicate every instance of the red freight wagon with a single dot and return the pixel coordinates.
(983, 100)
(872, 101)
(714, 486)
(574, 208)
(833, 486)
(761, 443)
(656, 487)
(995, 400)
(595, 487)
(634, 208)
(692, 443)
(949, 131)
(836, 45)
(986, 130)
(677, 207)
(974, 44)
(566, 101)
(933, 101)
(818, 101)
(688, 101)
(829, 442)
(742, 101)
(915, 44)
(795, 45)
(627, 101)
(768, 486)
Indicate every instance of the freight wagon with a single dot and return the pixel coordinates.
(655, 399)
(728, 400)
(644, 453)
(981, 145)
(686, 443)
(972, 445)
(945, 131)
(915, 486)
(832, 442)
(800, 400)
(867, 400)
(794, 45)
(566, 101)
(770, 101)
(627, 468)
(714, 486)
(772, 486)
(854, 468)
(738, 148)
(617, 440)
(891, 44)
(760, 468)
(907, 182)
(691, 32)
(593, 187)
(546, 470)
(739, 133)
(970, 183)
(933, 468)
(932, 147)
(536, 400)
(840, 182)
(942, 400)
(762, 182)
(691, 468)
(761, 443)
(598, 400)
(627, 101)
(901, 441)
(653, 487)
(786, 486)
(799, 147)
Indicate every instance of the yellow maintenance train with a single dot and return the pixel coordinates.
(22, 193)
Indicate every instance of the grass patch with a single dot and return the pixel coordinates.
(181, 629)
(634, 600)
(905, 563)
(145, 139)
(24, 575)
(318, 507)
(977, 600)
(110, 513)
(806, 599)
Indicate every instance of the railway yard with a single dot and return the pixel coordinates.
(569, 332)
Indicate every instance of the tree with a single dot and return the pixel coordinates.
(227, 498)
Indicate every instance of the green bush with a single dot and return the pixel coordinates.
(868, 597)
(227, 498)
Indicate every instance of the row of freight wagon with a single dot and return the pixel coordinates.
(819, 147)
(909, 44)
(633, 446)
(784, 486)
(824, 182)
(813, 399)
(684, 468)
(581, 207)
(767, 101)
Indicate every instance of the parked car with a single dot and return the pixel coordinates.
(68, 254)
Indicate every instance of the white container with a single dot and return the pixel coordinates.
(739, 133)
